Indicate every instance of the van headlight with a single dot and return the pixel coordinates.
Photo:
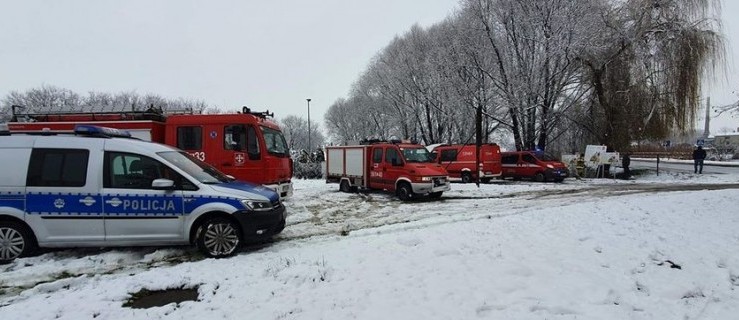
(256, 205)
(550, 166)
(425, 179)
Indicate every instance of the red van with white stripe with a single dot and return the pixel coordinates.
(459, 160)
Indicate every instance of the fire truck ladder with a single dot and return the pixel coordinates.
(151, 113)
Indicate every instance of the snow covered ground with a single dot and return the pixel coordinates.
(658, 247)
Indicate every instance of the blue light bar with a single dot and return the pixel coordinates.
(100, 131)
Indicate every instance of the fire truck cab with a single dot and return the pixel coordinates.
(247, 145)
(403, 168)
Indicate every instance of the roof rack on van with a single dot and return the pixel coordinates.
(371, 141)
(262, 114)
(393, 141)
(96, 131)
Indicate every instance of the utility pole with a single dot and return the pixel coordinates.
(309, 149)
(478, 141)
(707, 128)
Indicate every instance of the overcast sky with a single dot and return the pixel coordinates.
(265, 54)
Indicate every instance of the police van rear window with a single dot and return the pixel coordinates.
(58, 168)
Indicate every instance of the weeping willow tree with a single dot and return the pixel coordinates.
(647, 66)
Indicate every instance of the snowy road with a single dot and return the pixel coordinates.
(585, 249)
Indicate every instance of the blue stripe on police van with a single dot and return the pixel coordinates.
(136, 205)
(13, 203)
(15, 200)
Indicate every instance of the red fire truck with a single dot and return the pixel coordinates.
(246, 145)
(459, 160)
(404, 168)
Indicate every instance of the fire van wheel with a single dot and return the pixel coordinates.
(15, 241)
(466, 177)
(539, 177)
(405, 192)
(218, 237)
(344, 186)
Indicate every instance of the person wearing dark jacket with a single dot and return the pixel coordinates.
(625, 162)
(698, 156)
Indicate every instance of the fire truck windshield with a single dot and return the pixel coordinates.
(199, 170)
(416, 155)
(275, 142)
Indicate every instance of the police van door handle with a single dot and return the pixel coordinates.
(226, 164)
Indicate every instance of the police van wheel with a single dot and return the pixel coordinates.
(405, 192)
(15, 241)
(218, 238)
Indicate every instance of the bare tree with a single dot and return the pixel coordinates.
(570, 71)
(646, 66)
(295, 130)
(50, 99)
(534, 44)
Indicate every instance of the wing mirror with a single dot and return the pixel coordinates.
(162, 184)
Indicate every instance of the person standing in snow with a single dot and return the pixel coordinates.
(626, 162)
(698, 156)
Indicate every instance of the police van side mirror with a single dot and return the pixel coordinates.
(162, 184)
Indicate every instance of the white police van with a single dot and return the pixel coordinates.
(98, 187)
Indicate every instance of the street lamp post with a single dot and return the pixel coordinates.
(309, 150)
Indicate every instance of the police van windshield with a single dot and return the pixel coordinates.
(275, 142)
(199, 170)
(416, 155)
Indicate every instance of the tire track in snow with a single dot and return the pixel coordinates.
(335, 215)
